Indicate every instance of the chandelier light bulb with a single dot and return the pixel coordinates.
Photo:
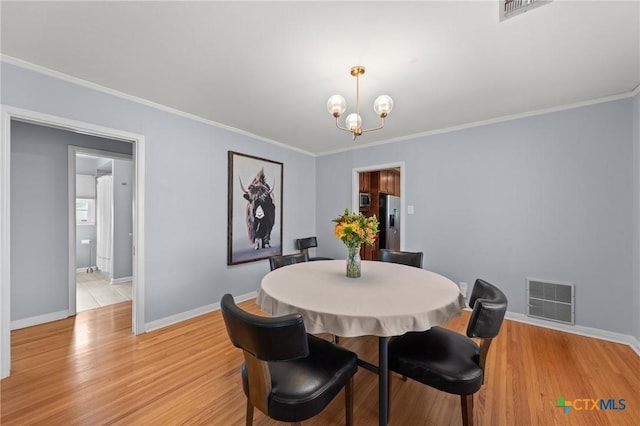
(336, 105)
(383, 105)
(353, 121)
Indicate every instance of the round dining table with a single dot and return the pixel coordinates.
(388, 300)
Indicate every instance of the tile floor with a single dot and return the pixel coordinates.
(94, 290)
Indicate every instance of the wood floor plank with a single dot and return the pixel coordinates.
(90, 370)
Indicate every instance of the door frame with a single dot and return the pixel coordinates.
(71, 168)
(10, 113)
(355, 191)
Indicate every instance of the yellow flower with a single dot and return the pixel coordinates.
(355, 229)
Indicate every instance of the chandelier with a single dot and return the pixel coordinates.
(353, 122)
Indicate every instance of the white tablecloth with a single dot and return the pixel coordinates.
(387, 300)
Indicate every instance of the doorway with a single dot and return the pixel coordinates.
(379, 190)
(103, 217)
(12, 115)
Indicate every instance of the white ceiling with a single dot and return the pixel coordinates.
(268, 68)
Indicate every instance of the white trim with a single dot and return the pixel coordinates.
(5, 247)
(183, 316)
(93, 86)
(355, 192)
(579, 330)
(115, 281)
(73, 152)
(13, 113)
(71, 218)
(138, 249)
(486, 122)
(39, 319)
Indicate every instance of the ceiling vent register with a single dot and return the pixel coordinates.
(511, 8)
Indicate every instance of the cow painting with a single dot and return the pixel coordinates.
(261, 211)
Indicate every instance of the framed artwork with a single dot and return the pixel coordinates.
(255, 208)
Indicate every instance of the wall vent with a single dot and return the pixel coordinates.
(511, 8)
(551, 301)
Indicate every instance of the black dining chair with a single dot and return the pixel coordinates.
(304, 244)
(276, 262)
(409, 258)
(287, 374)
(449, 361)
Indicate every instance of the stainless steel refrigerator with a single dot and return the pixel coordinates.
(389, 217)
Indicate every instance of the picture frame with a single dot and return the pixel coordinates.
(254, 208)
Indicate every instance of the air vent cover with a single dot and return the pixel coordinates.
(511, 8)
(551, 301)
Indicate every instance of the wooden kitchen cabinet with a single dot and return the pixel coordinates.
(369, 252)
(384, 181)
(389, 182)
(365, 181)
(396, 183)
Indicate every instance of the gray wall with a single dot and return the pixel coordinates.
(122, 219)
(551, 197)
(85, 166)
(186, 161)
(122, 171)
(85, 232)
(547, 197)
(39, 221)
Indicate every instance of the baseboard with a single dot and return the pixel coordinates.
(121, 280)
(183, 316)
(573, 329)
(596, 333)
(37, 320)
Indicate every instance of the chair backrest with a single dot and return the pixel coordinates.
(403, 257)
(276, 262)
(489, 306)
(304, 244)
(267, 338)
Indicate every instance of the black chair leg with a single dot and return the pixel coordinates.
(389, 396)
(249, 413)
(348, 402)
(466, 401)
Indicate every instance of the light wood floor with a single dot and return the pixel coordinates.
(90, 370)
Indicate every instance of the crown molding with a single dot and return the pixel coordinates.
(84, 83)
(491, 121)
(93, 86)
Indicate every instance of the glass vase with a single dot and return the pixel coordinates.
(353, 262)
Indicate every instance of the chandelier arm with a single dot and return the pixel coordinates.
(375, 128)
(340, 127)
